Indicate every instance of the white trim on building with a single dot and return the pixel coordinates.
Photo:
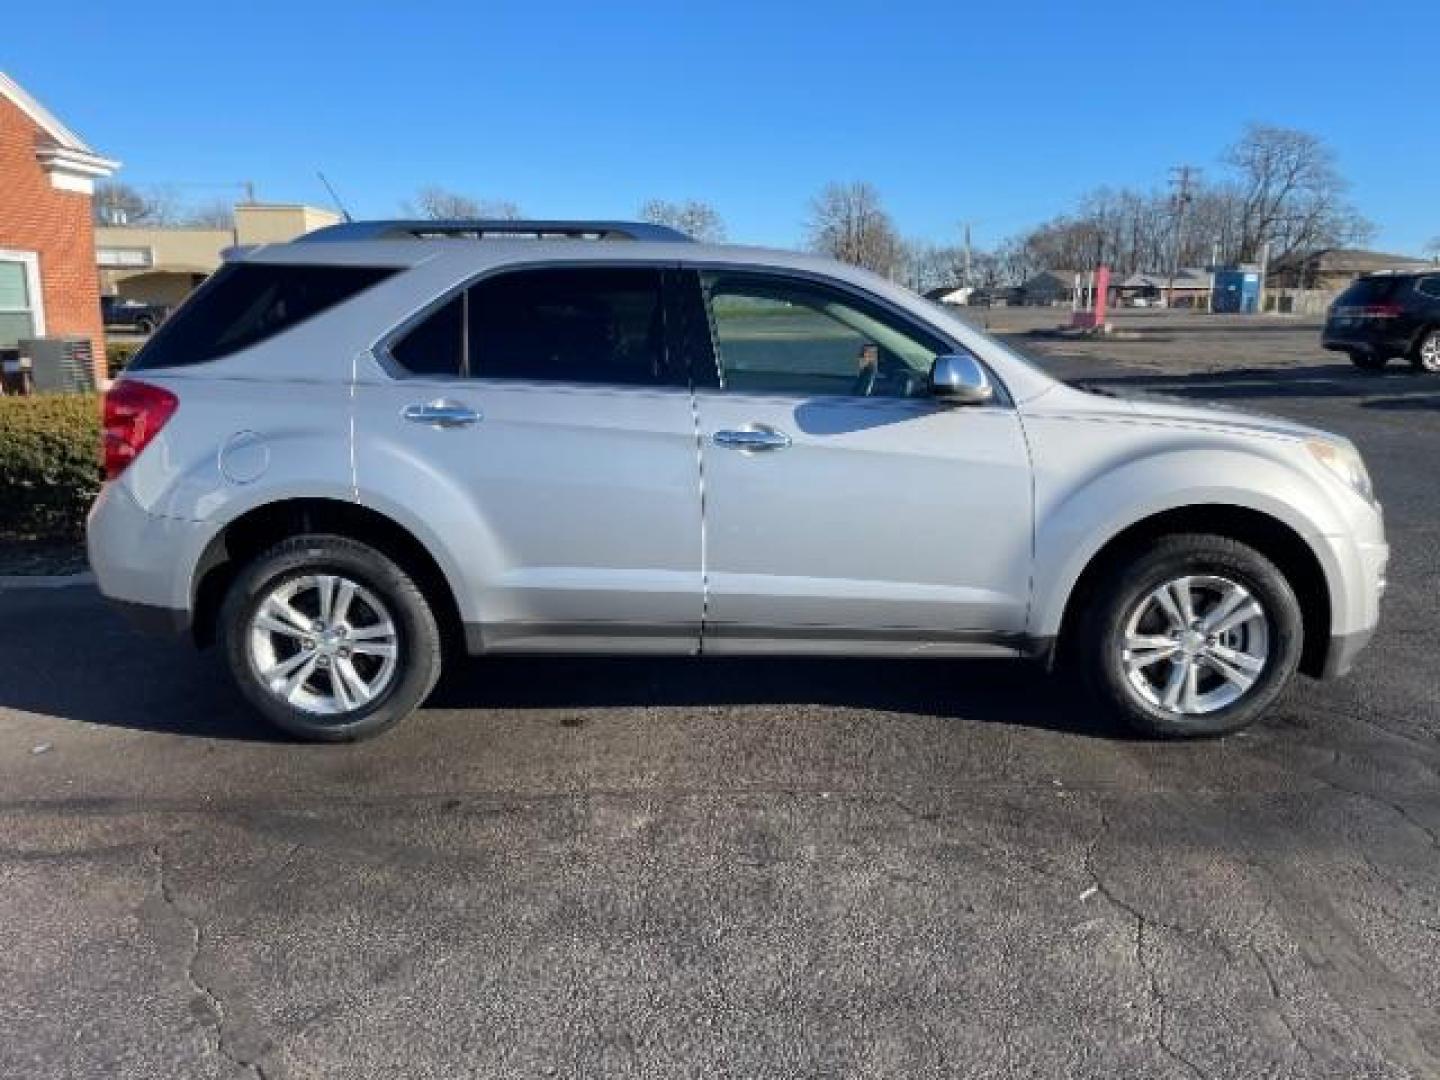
(70, 162)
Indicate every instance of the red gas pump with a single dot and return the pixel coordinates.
(1092, 294)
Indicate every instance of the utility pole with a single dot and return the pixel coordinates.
(1264, 270)
(1182, 175)
(966, 282)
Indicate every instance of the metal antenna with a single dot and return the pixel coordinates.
(333, 197)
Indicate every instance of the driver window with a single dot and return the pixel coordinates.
(793, 338)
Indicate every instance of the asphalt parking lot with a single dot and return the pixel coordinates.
(761, 868)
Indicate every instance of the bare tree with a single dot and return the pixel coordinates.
(929, 266)
(440, 204)
(217, 214)
(119, 203)
(847, 222)
(698, 220)
(1290, 194)
(1015, 262)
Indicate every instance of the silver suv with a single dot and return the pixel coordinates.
(346, 455)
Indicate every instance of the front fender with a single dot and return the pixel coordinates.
(1074, 524)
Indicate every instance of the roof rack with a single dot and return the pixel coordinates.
(483, 229)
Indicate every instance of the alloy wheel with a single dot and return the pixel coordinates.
(323, 643)
(1430, 352)
(1195, 645)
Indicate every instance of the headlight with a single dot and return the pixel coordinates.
(1343, 460)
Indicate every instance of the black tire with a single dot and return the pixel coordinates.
(146, 326)
(418, 641)
(1124, 586)
(1367, 361)
(1426, 355)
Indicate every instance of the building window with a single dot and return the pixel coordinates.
(124, 257)
(21, 311)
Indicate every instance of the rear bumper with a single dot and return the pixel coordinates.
(143, 562)
(154, 620)
(1374, 341)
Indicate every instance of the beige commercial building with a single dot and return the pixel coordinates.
(161, 265)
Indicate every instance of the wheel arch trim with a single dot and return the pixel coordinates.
(357, 518)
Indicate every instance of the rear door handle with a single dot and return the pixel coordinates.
(441, 413)
(758, 437)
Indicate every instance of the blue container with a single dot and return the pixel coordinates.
(1236, 292)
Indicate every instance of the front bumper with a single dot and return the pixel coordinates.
(1367, 581)
(1344, 648)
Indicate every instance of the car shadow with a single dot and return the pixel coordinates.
(71, 657)
(843, 416)
(979, 691)
(1422, 402)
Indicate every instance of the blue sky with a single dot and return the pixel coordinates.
(998, 113)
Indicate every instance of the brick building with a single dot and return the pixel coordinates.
(49, 286)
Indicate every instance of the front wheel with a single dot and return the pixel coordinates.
(1427, 353)
(1196, 636)
(329, 639)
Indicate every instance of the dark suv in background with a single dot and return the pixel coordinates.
(117, 311)
(1388, 315)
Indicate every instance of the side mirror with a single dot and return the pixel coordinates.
(958, 378)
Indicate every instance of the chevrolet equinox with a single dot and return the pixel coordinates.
(346, 457)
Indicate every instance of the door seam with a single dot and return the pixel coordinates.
(704, 523)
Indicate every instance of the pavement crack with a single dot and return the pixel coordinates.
(201, 989)
(1159, 1006)
(1278, 996)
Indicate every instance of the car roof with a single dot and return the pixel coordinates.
(482, 253)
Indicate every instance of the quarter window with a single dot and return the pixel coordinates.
(572, 324)
(776, 335)
(244, 304)
(1429, 286)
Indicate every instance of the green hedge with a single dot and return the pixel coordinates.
(49, 464)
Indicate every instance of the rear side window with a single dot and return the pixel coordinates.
(567, 324)
(247, 303)
(1429, 286)
(1369, 290)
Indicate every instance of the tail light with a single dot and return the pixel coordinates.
(133, 414)
(1381, 311)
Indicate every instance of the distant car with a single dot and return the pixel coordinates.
(119, 311)
(1388, 315)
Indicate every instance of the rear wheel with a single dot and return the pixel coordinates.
(329, 639)
(1196, 636)
(1427, 353)
(1368, 361)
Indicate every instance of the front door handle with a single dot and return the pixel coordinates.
(758, 437)
(441, 413)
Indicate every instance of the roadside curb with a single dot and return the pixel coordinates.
(22, 582)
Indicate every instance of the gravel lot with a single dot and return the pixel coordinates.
(760, 868)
